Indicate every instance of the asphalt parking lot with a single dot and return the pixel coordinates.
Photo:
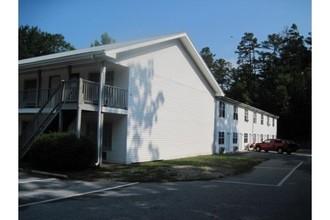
(279, 188)
(35, 190)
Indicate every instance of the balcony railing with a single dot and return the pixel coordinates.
(34, 98)
(82, 91)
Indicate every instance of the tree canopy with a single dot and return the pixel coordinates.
(273, 75)
(33, 42)
(105, 39)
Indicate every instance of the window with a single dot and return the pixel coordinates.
(267, 141)
(221, 137)
(254, 138)
(254, 117)
(74, 76)
(234, 138)
(262, 119)
(261, 137)
(235, 113)
(246, 115)
(273, 122)
(222, 109)
(268, 121)
(95, 77)
(30, 93)
(245, 138)
(30, 84)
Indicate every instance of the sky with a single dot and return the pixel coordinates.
(217, 24)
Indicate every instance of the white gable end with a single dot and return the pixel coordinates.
(171, 105)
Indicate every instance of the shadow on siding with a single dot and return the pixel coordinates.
(145, 103)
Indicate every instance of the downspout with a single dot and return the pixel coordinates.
(100, 115)
(215, 130)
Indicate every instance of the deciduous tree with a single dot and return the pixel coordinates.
(33, 42)
(105, 39)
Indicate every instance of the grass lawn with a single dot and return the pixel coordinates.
(186, 169)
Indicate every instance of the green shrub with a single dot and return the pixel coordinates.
(62, 151)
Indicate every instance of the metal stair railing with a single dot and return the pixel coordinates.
(40, 122)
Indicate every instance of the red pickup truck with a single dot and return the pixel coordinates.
(278, 145)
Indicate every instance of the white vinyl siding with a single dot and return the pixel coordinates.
(117, 154)
(165, 120)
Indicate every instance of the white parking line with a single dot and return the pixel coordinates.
(79, 194)
(35, 180)
(274, 168)
(289, 174)
(264, 184)
(304, 155)
(245, 183)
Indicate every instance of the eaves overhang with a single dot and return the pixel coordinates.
(60, 59)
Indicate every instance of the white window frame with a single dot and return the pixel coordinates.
(235, 116)
(221, 138)
(222, 108)
(235, 137)
(246, 115)
(246, 137)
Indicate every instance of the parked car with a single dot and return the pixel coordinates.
(278, 145)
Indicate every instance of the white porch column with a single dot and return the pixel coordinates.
(79, 110)
(78, 125)
(100, 114)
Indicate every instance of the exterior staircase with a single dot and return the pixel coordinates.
(41, 121)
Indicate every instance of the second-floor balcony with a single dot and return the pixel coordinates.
(76, 91)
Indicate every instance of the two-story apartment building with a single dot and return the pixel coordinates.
(141, 100)
(239, 124)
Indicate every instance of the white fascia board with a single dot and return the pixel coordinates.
(112, 53)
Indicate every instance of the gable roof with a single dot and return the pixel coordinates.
(110, 51)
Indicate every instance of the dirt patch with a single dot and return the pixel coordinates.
(188, 172)
(185, 169)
